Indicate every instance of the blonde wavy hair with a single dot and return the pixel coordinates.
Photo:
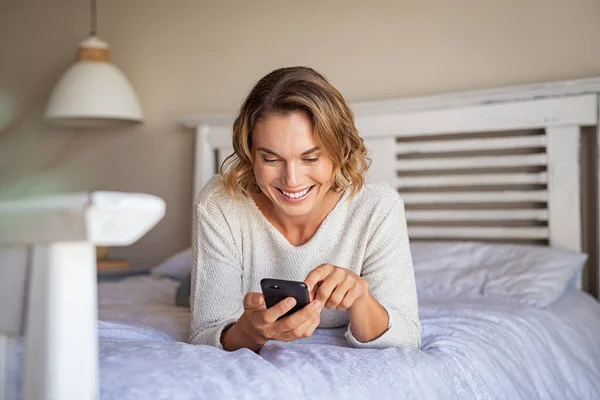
(298, 89)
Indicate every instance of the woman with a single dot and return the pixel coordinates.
(292, 203)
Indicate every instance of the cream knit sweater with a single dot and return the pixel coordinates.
(235, 246)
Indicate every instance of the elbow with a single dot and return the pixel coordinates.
(414, 337)
(409, 332)
(195, 338)
(414, 333)
(407, 336)
(401, 333)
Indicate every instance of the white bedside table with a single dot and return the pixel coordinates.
(48, 274)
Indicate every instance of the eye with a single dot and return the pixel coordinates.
(270, 160)
(311, 160)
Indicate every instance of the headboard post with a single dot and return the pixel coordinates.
(597, 197)
(382, 153)
(204, 159)
(564, 188)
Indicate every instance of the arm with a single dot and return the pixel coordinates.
(234, 339)
(368, 318)
(216, 299)
(388, 271)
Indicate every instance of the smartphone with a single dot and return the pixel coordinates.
(276, 290)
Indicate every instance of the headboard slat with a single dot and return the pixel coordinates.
(477, 215)
(424, 164)
(479, 233)
(538, 178)
(519, 115)
(442, 146)
(475, 197)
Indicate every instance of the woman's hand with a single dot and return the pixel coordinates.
(336, 287)
(257, 325)
(343, 289)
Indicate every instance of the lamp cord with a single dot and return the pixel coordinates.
(93, 16)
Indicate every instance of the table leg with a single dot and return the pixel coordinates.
(61, 340)
(8, 367)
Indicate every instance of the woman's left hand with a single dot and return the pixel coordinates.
(338, 288)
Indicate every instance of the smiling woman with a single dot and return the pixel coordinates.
(292, 203)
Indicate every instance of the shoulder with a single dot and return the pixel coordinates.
(378, 195)
(375, 202)
(379, 188)
(214, 198)
(214, 189)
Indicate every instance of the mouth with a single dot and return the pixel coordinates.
(296, 196)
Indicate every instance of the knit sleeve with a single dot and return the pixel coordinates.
(216, 299)
(389, 272)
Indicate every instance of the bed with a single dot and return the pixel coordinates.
(502, 215)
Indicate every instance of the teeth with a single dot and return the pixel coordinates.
(296, 195)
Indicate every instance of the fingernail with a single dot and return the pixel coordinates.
(289, 302)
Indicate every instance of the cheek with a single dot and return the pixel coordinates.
(264, 174)
(323, 174)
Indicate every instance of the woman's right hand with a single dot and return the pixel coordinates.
(257, 325)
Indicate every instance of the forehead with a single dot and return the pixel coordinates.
(293, 129)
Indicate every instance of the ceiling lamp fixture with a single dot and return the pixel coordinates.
(93, 92)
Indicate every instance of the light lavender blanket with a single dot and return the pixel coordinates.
(470, 350)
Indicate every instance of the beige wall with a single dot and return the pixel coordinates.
(190, 56)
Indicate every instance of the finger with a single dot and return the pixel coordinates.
(301, 316)
(293, 331)
(316, 275)
(289, 325)
(349, 299)
(253, 300)
(308, 327)
(315, 324)
(329, 285)
(340, 292)
(273, 313)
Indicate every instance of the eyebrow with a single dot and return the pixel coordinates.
(265, 150)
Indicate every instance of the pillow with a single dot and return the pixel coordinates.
(182, 296)
(178, 266)
(532, 275)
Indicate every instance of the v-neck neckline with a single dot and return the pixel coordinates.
(281, 237)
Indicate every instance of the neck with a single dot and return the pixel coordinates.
(299, 230)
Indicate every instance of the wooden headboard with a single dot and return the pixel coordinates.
(512, 164)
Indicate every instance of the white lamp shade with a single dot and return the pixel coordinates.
(93, 94)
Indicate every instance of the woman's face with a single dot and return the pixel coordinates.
(290, 169)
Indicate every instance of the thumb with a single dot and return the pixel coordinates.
(253, 300)
(259, 300)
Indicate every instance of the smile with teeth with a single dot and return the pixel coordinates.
(296, 195)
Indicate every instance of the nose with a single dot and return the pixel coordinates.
(291, 175)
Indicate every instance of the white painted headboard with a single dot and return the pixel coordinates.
(504, 164)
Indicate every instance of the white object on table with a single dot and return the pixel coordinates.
(48, 288)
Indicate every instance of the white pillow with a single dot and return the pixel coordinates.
(178, 266)
(533, 275)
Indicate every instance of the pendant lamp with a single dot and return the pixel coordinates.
(93, 92)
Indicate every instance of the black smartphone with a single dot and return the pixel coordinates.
(276, 290)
